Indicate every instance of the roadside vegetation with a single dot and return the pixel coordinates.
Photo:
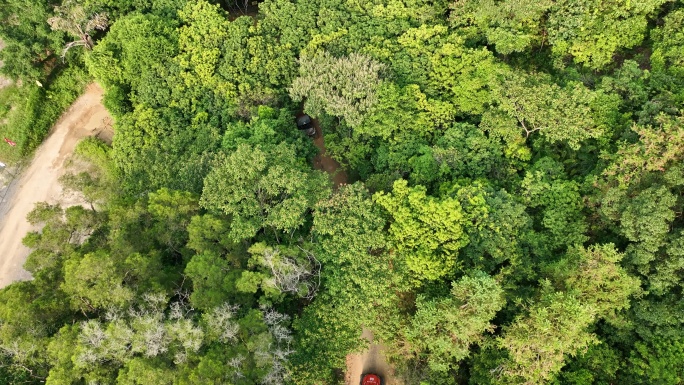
(513, 213)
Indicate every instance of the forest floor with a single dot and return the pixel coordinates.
(370, 361)
(325, 163)
(39, 182)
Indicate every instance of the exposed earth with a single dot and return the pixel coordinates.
(39, 182)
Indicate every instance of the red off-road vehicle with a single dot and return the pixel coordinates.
(371, 379)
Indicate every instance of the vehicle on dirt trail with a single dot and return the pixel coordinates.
(371, 379)
(304, 123)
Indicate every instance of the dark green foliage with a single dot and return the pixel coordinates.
(513, 213)
(262, 188)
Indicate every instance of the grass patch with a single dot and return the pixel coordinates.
(28, 112)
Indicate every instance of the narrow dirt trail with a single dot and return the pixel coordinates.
(370, 361)
(325, 163)
(373, 359)
(40, 181)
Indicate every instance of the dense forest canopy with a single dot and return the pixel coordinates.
(513, 212)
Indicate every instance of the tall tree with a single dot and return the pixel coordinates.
(344, 87)
(263, 188)
(426, 231)
(442, 331)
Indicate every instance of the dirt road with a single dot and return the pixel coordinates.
(370, 361)
(39, 182)
(325, 163)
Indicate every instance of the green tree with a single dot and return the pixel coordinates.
(590, 31)
(538, 342)
(72, 18)
(531, 103)
(426, 231)
(657, 363)
(443, 330)
(557, 203)
(29, 41)
(595, 277)
(263, 188)
(344, 87)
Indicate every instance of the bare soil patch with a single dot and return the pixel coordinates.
(39, 182)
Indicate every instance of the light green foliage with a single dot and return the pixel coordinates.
(657, 149)
(229, 59)
(171, 211)
(136, 48)
(200, 42)
(350, 226)
(591, 31)
(63, 232)
(528, 104)
(443, 330)
(263, 188)
(446, 70)
(398, 110)
(641, 187)
(646, 218)
(270, 126)
(100, 280)
(208, 233)
(213, 280)
(95, 281)
(344, 87)
(512, 25)
(426, 231)
(668, 47)
(668, 269)
(595, 277)
(539, 342)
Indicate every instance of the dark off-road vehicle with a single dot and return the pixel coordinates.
(304, 123)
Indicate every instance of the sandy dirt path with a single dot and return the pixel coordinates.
(39, 182)
(370, 361)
